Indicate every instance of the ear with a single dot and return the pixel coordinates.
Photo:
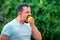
(19, 13)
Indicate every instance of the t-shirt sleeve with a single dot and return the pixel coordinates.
(7, 30)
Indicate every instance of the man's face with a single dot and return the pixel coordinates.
(25, 13)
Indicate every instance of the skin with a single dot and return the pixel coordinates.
(22, 17)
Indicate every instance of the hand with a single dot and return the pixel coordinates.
(31, 21)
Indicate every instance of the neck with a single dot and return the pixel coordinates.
(19, 20)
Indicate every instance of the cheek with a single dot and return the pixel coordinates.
(24, 16)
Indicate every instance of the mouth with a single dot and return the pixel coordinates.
(27, 18)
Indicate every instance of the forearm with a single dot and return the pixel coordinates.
(36, 34)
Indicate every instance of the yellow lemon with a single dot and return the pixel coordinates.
(29, 18)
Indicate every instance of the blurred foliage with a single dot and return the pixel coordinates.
(45, 12)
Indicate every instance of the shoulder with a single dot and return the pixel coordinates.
(6, 30)
(8, 26)
(9, 23)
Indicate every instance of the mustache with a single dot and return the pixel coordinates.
(28, 16)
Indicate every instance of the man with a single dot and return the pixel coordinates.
(18, 29)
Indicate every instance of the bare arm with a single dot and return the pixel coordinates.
(3, 37)
(35, 33)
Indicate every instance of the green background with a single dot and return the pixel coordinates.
(45, 12)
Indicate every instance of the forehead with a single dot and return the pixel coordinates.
(26, 8)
